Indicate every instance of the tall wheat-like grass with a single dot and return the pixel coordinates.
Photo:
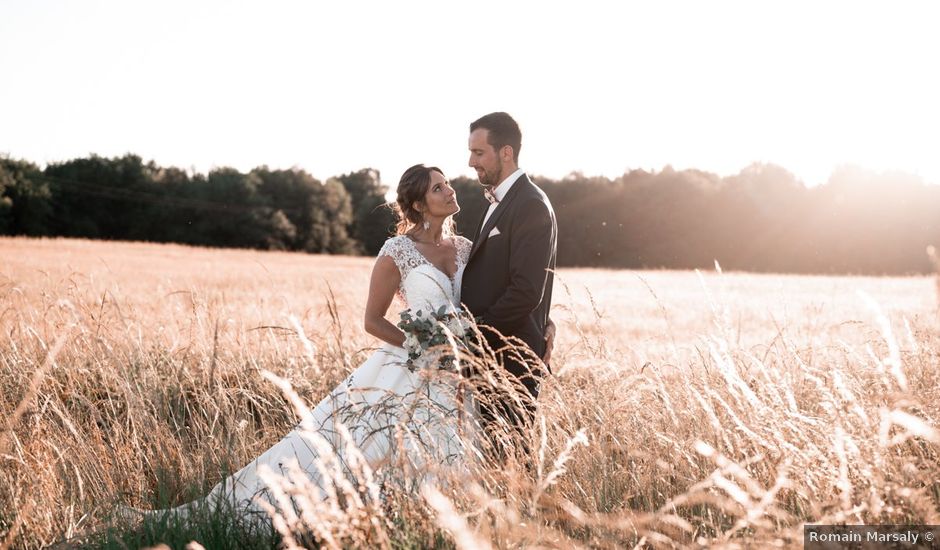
(679, 415)
(934, 257)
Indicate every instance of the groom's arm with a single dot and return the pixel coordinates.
(531, 245)
(550, 331)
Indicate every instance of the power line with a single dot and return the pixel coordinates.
(120, 193)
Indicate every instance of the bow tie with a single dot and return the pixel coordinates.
(490, 195)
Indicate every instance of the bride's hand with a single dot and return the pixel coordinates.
(550, 330)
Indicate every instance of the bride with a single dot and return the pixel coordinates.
(397, 417)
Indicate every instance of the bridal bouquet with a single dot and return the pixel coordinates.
(433, 338)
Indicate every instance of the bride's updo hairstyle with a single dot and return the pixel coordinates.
(412, 188)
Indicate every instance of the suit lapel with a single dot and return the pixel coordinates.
(497, 213)
(476, 233)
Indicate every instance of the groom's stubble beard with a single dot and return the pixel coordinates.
(489, 179)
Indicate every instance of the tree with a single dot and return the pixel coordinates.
(472, 205)
(233, 214)
(174, 208)
(362, 184)
(102, 198)
(766, 203)
(373, 221)
(6, 203)
(320, 213)
(25, 199)
(334, 215)
(760, 219)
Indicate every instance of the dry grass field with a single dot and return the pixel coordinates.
(717, 409)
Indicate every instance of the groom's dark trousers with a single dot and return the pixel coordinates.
(508, 283)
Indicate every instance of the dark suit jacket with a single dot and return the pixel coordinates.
(508, 278)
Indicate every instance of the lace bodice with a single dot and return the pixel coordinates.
(422, 284)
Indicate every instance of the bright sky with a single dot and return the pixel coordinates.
(600, 88)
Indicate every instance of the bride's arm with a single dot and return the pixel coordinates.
(385, 281)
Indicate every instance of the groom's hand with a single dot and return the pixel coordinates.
(549, 341)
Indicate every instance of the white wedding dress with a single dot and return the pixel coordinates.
(391, 412)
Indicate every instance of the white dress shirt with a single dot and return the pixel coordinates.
(501, 190)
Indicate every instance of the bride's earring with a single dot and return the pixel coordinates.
(426, 225)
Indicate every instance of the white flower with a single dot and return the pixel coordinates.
(411, 342)
(456, 326)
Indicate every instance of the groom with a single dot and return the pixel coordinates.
(508, 278)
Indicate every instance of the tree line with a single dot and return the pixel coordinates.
(762, 219)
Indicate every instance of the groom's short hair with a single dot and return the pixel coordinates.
(503, 131)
